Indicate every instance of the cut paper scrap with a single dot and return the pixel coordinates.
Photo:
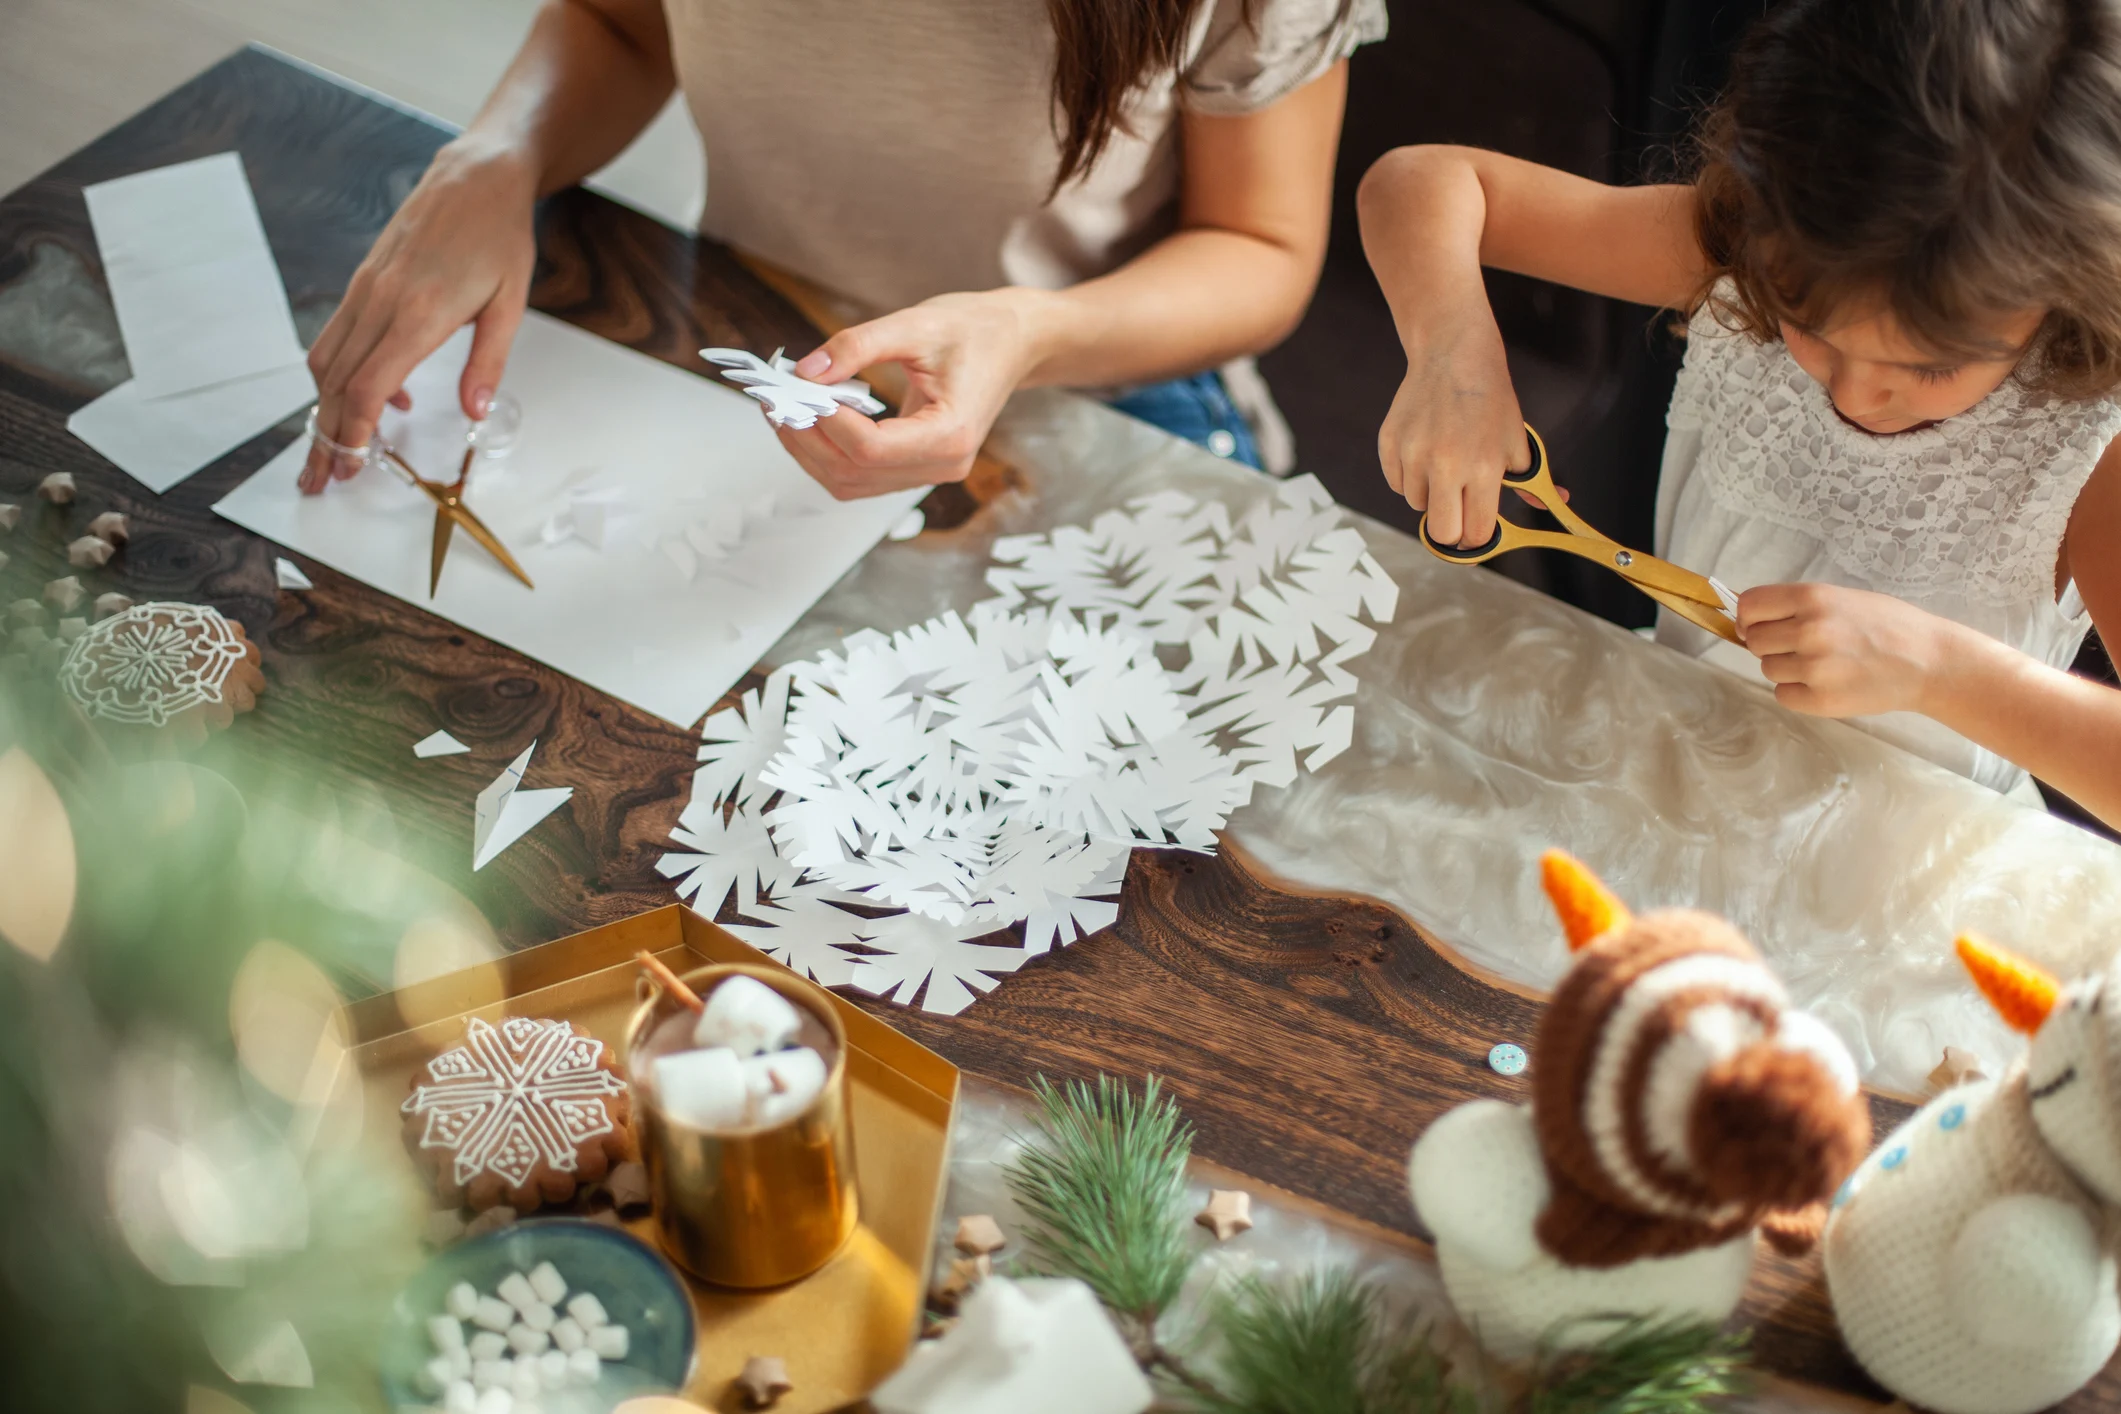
(585, 516)
(504, 813)
(676, 446)
(790, 401)
(160, 441)
(192, 279)
(1133, 682)
(440, 744)
(288, 575)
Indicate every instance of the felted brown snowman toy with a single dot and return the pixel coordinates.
(1679, 1107)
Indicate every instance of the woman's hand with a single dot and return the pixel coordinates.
(963, 355)
(1836, 652)
(1455, 427)
(460, 250)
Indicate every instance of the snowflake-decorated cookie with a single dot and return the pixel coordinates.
(522, 1112)
(182, 668)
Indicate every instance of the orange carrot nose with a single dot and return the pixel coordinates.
(1587, 908)
(2022, 993)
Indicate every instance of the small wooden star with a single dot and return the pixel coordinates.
(979, 1235)
(965, 1273)
(764, 1380)
(1228, 1213)
(1957, 1068)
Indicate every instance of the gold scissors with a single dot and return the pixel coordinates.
(1696, 598)
(451, 512)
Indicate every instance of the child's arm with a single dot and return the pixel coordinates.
(1846, 652)
(1431, 217)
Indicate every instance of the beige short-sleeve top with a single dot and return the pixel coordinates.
(891, 150)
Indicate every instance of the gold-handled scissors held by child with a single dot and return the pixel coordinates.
(1695, 598)
(451, 512)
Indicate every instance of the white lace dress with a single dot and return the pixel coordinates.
(1764, 484)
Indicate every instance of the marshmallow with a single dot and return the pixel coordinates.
(527, 1382)
(748, 1017)
(546, 1281)
(489, 1345)
(494, 1314)
(460, 1398)
(496, 1401)
(609, 1342)
(459, 1364)
(552, 1369)
(567, 1334)
(782, 1084)
(585, 1367)
(538, 1316)
(447, 1332)
(515, 1290)
(491, 1374)
(525, 1341)
(704, 1089)
(437, 1374)
(588, 1312)
(462, 1301)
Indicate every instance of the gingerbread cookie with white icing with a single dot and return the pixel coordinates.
(522, 1112)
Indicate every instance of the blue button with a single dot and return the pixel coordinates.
(1893, 1157)
(1846, 1191)
(1508, 1058)
(1952, 1117)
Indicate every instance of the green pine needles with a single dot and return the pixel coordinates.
(1106, 1195)
(1103, 1192)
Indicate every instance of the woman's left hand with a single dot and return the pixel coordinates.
(963, 355)
(1836, 652)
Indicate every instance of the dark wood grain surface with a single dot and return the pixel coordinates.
(1308, 1038)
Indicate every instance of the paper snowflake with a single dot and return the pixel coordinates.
(514, 1095)
(1131, 682)
(790, 401)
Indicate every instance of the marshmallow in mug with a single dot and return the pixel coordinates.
(748, 1017)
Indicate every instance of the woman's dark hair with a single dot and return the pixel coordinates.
(1948, 159)
(1103, 50)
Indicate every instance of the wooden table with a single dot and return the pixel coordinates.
(1309, 1038)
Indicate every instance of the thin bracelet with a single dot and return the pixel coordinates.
(336, 448)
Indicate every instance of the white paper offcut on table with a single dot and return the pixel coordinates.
(196, 290)
(675, 451)
(504, 812)
(212, 344)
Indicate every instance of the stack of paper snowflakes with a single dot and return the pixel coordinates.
(1130, 683)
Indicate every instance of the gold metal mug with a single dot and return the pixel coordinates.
(758, 1207)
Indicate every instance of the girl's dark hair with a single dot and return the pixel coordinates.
(1103, 51)
(1950, 159)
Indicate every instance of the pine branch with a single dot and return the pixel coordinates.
(1104, 1196)
(1642, 1368)
(1323, 1344)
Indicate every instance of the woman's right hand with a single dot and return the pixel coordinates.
(460, 250)
(1455, 427)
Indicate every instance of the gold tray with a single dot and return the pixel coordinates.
(841, 1329)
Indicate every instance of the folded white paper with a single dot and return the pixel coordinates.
(439, 744)
(503, 813)
(676, 446)
(196, 290)
(288, 575)
(160, 441)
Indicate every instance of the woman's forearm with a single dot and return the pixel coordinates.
(589, 77)
(2064, 729)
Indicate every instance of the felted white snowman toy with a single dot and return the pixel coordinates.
(1678, 1107)
(1971, 1259)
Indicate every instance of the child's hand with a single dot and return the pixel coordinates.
(1836, 652)
(1455, 428)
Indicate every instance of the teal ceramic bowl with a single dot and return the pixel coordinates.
(638, 1288)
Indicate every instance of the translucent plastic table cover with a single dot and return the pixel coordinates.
(1494, 722)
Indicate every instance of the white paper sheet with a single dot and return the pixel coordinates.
(160, 441)
(503, 813)
(197, 292)
(620, 619)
